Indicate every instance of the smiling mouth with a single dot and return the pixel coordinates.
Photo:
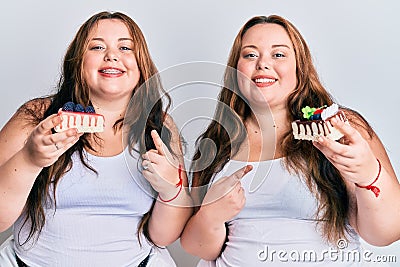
(262, 82)
(111, 71)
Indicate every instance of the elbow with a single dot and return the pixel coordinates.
(381, 239)
(163, 241)
(188, 247)
(380, 242)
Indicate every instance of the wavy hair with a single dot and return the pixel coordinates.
(300, 157)
(145, 113)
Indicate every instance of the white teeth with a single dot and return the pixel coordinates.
(111, 71)
(264, 80)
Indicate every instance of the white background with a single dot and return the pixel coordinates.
(355, 45)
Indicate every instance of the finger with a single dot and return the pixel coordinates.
(62, 147)
(331, 148)
(147, 165)
(69, 140)
(158, 142)
(237, 175)
(350, 133)
(49, 123)
(240, 188)
(62, 137)
(153, 156)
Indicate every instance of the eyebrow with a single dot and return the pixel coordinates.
(273, 46)
(120, 39)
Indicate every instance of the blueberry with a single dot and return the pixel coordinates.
(69, 106)
(90, 109)
(79, 108)
(316, 117)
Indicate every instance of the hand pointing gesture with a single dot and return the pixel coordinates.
(225, 198)
(161, 168)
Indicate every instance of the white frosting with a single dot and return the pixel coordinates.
(83, 122)
(329, 111)
(312, 130)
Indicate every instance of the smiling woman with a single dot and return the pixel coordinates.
(269, 63)
(75, 190)
(309, 196)
(109, 65)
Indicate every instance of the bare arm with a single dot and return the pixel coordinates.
(26, 149)
(17, 173)
(376, 218)
(205, 233)
(167, 219)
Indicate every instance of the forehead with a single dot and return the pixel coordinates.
(267, 34)
(109, 28)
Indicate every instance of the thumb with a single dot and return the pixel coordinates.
(346, 129)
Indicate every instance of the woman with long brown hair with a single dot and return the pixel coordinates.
(266, 197)
(80, 199)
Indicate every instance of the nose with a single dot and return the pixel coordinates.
(262, 64)
(110, 56)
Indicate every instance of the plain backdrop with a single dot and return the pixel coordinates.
(355, 46)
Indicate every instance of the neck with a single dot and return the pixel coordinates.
(275, 119)
(265, 133)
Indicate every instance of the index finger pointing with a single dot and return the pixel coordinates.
(237, 175)
(157, 142)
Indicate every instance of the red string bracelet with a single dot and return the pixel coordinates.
(179, 184)
(371, 187)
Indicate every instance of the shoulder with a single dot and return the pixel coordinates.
(33, 109)
(15, 132)
(358, 122)
(31, 112)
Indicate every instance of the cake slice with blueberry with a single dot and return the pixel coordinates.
(85, 120)
(316, 123)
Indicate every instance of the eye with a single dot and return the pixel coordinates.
(250, 55)
(97, 47)
(278, 55)
(125, 48)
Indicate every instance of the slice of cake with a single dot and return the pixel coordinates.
(317, 123)
(85, 120)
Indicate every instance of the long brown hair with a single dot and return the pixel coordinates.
(145, 113)
(301, 157)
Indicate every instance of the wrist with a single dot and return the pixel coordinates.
(371, 186)
(173, 194)
(27, 158)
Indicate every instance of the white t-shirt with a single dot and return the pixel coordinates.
(96, 220)
(277, 225)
